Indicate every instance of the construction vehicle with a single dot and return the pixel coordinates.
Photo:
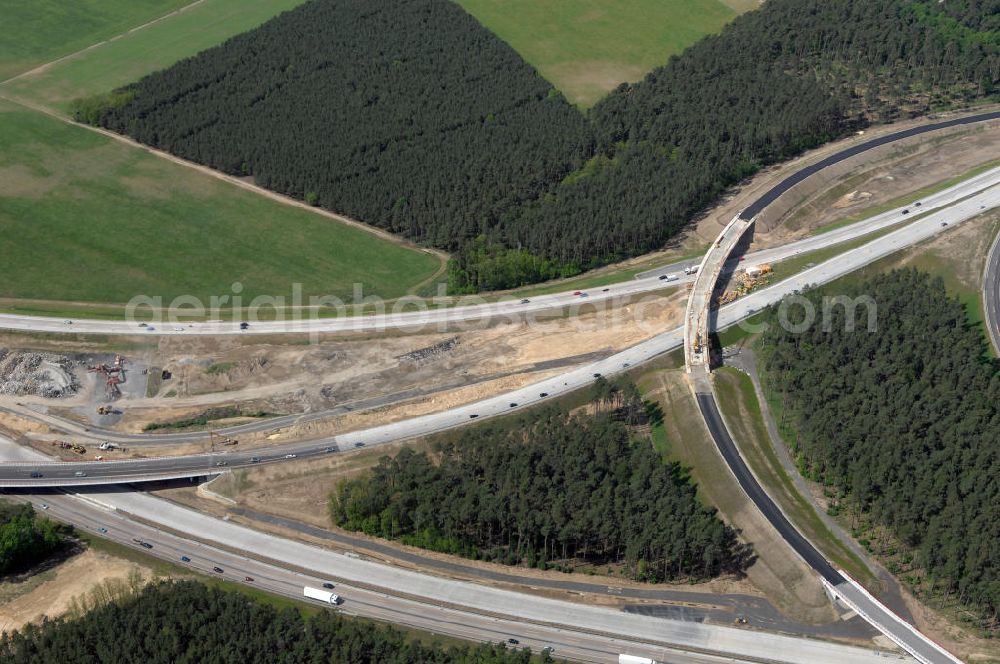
(105, 410)
(321, 595)
(740, 620)
(747, 281)
(108, 445)
(114, 375)
(758, 270)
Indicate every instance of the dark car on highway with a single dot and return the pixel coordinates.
(146, 545)
(218, 570)
(328, 585)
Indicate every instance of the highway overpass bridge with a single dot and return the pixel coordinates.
(698, 329)
(61, 474)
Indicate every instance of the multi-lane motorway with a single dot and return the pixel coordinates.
(64, 474)
(442, 316)
(585, 632)
(936, 213)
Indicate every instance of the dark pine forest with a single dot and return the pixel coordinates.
(904, 424)
(411, 116)
(186, 622)
(545, 488)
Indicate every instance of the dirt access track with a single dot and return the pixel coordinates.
(874, 178)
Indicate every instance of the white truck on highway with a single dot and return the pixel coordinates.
(632, 659)
(691, 269)
(321, 595)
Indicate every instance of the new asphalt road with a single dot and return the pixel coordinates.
(897, 629)
(991, 294)
(65, 474)
(418, 315)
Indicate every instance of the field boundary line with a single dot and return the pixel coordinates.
(248, 186)
(42, 67)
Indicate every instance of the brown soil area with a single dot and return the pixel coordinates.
(897, 172)
(51, 593)
(415, 373)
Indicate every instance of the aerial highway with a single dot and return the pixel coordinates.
(949, 208)
(698, 358)
(422, 314)
(991, 294)
(836, 581)
(65, 474)
(580, 631)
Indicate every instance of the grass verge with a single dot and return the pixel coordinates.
(739, 405)
(899, 201)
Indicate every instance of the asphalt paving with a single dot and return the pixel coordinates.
(710, 412)
(991, 294)
(580, 631)
(926, 227)
(698, 606)
(443, 317)
(775, 192)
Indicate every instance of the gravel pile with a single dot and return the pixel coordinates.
(36, 374)
(429, 352)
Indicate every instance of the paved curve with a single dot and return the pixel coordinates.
(991, 294)
(838, 583)
(710, 412)
(63, 474)
(775, 192)
(516, 308)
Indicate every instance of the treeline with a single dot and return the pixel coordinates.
(24, 539)
(905, 423)
(186, 621)
(410, 116)
(546, 487)
(788, 77)
(406, 114)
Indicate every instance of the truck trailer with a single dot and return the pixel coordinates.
(632, 659)
(321, 595)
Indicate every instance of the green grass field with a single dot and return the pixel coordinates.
(86, 218)
(138, 53)
(587, 47)
(40, 31)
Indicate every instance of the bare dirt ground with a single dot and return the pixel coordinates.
(408, 374)
(50, 593)
(898, 173)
